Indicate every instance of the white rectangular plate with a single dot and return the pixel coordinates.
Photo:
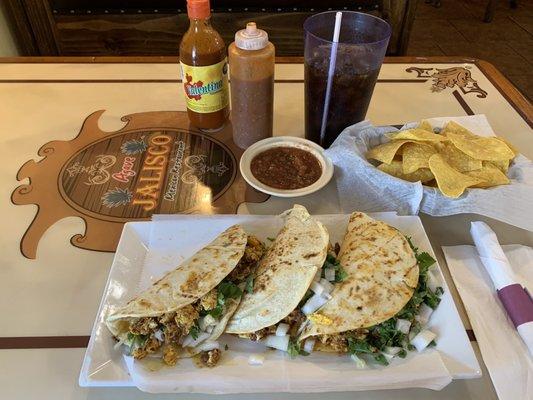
(104, 366)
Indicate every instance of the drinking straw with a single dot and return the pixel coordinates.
(331, 71)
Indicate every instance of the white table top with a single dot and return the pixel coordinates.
(58, 293)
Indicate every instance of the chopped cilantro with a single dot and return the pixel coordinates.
(424, 261)
(250, 284)
(226, 290)
(432, 344)
(217, 311)
(295, 349)
(402, 353)
(136, 341)
(381, 359)
(226, 347)
(332, 262)
(432, 299)
(359, 346)
(271, 239)
(340, 274)
(194, 331)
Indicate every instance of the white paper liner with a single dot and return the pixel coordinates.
(363, 187)
(169, 246)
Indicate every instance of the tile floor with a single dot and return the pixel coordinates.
(456, 28)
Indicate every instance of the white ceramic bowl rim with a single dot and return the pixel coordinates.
(286, 141)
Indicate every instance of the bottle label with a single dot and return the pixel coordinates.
(206, 88)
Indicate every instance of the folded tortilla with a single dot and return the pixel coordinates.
(382, 274)
(284, 274)
(186, 284)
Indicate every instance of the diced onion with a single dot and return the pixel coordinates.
(159, 335)
(256, 359)
(318, 275)
(403, 325)
(359, 362)
(423, 339)
(328, 286)
(208, 345)
(206, 321)
(309, 345)
(189, 341)
(314, 303)
(282, 329)
(316, 287)
(277, 342)
(392, 351)
(329, 274)
(432, 282)
(210, 328)
(424, 313)
(201, 324)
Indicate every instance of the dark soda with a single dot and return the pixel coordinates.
(351, 91)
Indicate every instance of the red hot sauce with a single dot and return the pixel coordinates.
(286, 168)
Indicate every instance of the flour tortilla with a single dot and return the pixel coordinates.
(284, 274)
(186, 284)
(382, 276)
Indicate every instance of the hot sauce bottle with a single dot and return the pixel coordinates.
(251, 61)
(204, 70)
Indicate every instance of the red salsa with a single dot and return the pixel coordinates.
(286, 168)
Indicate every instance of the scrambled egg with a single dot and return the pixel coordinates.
(317, 318)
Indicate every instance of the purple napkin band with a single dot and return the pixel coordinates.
(518, 303)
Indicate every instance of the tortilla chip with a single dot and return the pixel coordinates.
(454, 127)
(509, 144)
(396, 169)
(425, 125)
(490, 176)
(415, 156)
(418, 135)
(482, 148)
(385, 152)
(451, 182)
(501, 165)
(457, 159)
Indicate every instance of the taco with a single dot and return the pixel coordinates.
(184, 312)
(276, 306)
(376, 310)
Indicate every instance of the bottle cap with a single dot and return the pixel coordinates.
(198, 9)
(251, 38)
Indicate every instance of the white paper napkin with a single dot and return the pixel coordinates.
(363, 187)
(492, 255)
(504, 353)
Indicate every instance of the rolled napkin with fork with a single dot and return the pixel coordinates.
(515, 298)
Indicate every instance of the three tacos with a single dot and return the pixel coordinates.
(301, 295)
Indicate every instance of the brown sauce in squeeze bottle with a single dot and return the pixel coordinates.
(251, 62)
(204, 70)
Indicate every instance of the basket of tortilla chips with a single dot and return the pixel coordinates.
(451, 159)
(439, 166)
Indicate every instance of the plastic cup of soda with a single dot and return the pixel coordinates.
(359, 55)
